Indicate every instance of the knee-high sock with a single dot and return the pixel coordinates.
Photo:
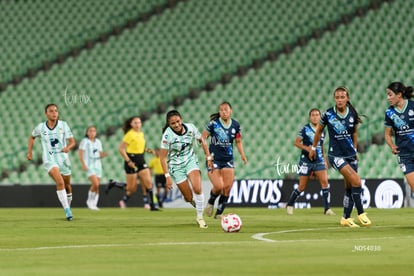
(326, 198)
(295, 194)
(120, 185)
(199, 202)
(63, 198)
(213, 197)
(150, 196)
(69, 196)
(356, 196)
(221, 204)
(95, 199)
(348, 203)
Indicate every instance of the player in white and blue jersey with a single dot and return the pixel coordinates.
(399, 118)
(308, 168)
(57, 140)
(342, 121)
(179, 161)
(224, 131)
(90, 154)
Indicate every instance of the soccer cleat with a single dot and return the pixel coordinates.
(329, 212)
(209, 209)
(122, 204)
(349, 222)
(154, 209)
(68, 214)
(218, 216)
(289, 210)
(202, 223)
(111, 184)
(364, 219)
(89, 204)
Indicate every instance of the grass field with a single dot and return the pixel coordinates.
(134, 241)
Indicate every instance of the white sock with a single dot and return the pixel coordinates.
(199, 201)
(90, 196)
(95, 200)
(69, 196)
(63, 198)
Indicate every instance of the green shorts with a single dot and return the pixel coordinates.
(64, 166)
(179, 173)
(94, 171)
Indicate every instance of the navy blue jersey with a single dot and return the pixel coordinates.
(402, 122)
(341, 130)
(307, 133)
(221, 144)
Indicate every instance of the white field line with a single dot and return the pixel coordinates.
(258, 237)
(261, 236)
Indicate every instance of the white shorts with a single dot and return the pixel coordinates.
(64, 166)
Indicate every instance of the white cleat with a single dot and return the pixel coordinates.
(202, 223)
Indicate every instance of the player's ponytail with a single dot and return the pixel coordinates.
(399, 87)
(168, 116)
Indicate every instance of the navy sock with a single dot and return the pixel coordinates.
(145, 199)
(125, 198)
(221, 204)
(213, 197)
(348, 203)
(326, 198)
(356, 195)
(120, 185)
(295, 194)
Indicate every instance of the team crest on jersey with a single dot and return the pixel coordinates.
(351, 119)
(410, 112)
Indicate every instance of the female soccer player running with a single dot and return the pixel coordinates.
(180, 162)
(399, 119)
(342, 121)
(308, 167)
(90, 154)
(57, 140)
(223, 131)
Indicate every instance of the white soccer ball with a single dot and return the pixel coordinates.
(231, 223)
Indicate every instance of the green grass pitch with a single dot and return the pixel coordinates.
(135, 241)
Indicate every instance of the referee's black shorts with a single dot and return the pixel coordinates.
(139, 162)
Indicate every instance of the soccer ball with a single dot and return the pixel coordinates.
(231, 223)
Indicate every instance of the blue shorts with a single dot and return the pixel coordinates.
(406, 164)
(339, 162)
(217, 165)
(306, 169)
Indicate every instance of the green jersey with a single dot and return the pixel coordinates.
(180, 147)
(53, 141)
